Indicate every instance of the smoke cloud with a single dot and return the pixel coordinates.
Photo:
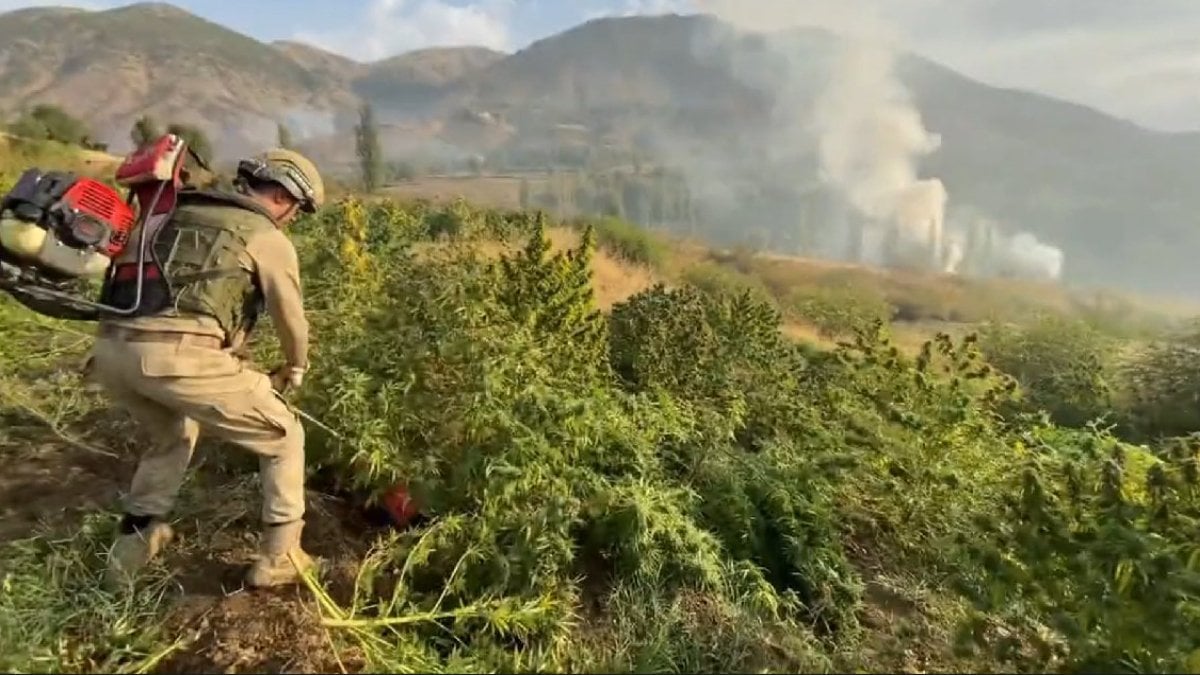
(870, 137)
(307, 122)
(1025, 256)
(853, 117)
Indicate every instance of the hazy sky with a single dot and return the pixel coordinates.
(1138, 59)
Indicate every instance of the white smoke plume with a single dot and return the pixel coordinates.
(868, 132)
(980, 246)
(1024, 256)
(307, 122)
(870, 136)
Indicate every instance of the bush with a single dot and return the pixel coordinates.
(676, 485)
(1064, 366)
(1090, 566)
(626, 240)
(1162, 385)
(196, 139)
(726, 465)
(484, 386)
(838, 311)
(716, 279)
(51, 123)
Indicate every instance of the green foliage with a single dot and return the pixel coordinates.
(145, 130)
(54, 617)
(656, 198)
(1063, 365)
(627, 241)
(1091, 564)
(719, 279)
(1162, 385)
(677, 486)
(535, 465)
(837, 311)
(1120, 317)
(368, 150)
(554, 293)
(52, 123)
(195, 137)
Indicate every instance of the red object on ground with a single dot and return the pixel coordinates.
(400, 505)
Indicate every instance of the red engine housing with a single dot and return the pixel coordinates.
(82, 213)
(400, 505)
(98, 217)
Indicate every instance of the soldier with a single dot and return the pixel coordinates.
(173, 367)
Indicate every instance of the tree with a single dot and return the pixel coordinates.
(370, 156)
(194, 137)
(402, 170)
(50, 122)
(145, 130)
(524, 194)
(285, 135)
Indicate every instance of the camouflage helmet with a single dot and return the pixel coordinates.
(290, 170)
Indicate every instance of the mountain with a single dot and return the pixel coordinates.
(415, 82)
(320, 62)
(111, 66)
(717, 102)
(726, 108)
(1118, 198)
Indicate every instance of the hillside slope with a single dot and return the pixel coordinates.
(729, 110)
(111, 66)
(665, 486)
(415, 82)
(690, 92)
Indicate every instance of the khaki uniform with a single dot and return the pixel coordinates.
(177, 375)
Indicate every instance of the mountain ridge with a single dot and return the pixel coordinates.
(691, 88)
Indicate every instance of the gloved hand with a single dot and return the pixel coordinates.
(286, 378)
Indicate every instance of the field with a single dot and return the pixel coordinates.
(637, 454)
(503, 192)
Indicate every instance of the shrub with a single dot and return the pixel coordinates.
(676, 485)
(718, 279)
(52, 123)
(626, 240)
(1162, 385)
(1064, 366)
(196, 139)
(1090, 565)
(836, 311)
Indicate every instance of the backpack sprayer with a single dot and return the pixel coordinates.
(58, 229)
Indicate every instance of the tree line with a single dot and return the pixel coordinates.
(657, 197)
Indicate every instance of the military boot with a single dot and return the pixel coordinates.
(134, 547)
(280, 560)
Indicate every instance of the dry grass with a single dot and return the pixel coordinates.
(919, 296)
(502, 192)
(614, 280)
(18, 154)
(802, 332)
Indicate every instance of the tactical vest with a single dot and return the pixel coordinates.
(195, 267)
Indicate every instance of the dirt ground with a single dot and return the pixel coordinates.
(234, 629)
(227, 627)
